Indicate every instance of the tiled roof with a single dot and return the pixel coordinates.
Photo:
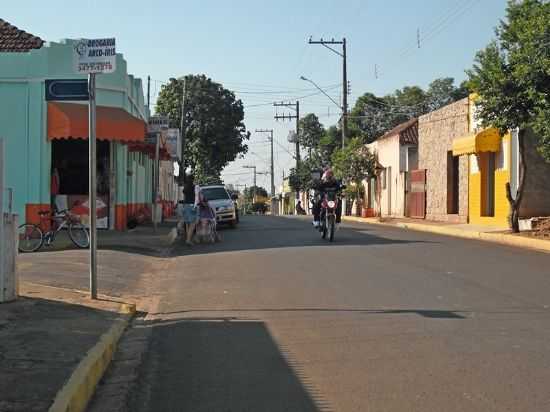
(407, 131)
(16, 40)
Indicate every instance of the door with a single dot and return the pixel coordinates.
(417, 196)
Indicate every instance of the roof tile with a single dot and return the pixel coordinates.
(13, 39)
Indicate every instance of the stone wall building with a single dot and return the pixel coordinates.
(446, 175)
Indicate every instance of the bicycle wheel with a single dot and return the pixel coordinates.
(79, 235)
(30, 238)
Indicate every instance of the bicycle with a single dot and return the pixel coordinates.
(32, 237)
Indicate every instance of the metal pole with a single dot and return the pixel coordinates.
(254, 195)
(156, 172)
(345, 96)
(149, 93)
(272, 169)
(297, 147)
(92, 186)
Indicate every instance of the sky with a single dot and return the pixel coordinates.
(259, 49)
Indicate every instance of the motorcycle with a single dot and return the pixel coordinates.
(329, 204)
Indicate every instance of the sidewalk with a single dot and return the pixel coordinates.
(142, 238)
(460, 230)
(53, 339)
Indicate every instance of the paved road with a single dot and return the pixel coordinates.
(274, 319)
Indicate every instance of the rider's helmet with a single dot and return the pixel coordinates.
(327, 175)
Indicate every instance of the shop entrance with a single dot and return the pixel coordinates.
(70, 179)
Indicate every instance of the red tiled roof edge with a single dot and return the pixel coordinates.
(15, 40)
(407, 131)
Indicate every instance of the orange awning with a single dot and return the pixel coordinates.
(70, 121)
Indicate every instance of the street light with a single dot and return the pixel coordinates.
(322, 91)
(331, 99)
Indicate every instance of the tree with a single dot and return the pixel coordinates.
(300, 179)
(250, 191)
(311, 132)
(372, 115)
(442, 92)
(329, 142)
(214, 132)
(353, 164)
(512, 77)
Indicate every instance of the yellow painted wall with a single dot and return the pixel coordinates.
(502, 208)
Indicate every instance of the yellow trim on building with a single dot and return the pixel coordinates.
(501, 205)
(487, 140)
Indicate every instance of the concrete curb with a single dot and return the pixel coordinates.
(502, 238)
(80, 387)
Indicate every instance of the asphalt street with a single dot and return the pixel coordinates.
(276, 319)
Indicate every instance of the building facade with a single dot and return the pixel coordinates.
(396, 153)
(446, 175)
(46, 141)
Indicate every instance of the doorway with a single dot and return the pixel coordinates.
(453, 179)
(70, 164)
(488, 167)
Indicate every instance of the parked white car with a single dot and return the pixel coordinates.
(220, 200)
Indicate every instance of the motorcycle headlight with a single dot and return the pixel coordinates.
(331, 204)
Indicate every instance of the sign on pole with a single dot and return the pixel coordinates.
(173, 143)
(93, 57)
(157, 125)
(67, 89)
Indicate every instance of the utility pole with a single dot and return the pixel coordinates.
(342, 54)
(270, 131)
(254, 189)
(182, 133)
(296, 108)
(149, 93)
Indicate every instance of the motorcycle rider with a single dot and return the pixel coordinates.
(328, 183)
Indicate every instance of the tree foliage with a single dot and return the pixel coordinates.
(300, 178)
(512, 74)
(372, 115)
(311, 131)
(353, 163)
(249, 193)
(214, 132)
(512, 77)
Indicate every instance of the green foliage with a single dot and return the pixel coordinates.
(249, 193)
(330, 141)
(512, 74)
(372, 116)
(353, 163)
(214, 132)
(300, 179)
(311, 131)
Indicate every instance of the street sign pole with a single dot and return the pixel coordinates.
(157, 180)
(91, 57)
(92, 185)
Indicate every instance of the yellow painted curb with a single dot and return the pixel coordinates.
(502, 238)
(79, 389)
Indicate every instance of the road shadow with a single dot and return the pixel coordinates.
(426, 313)
(221, 364)
(267, 232)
